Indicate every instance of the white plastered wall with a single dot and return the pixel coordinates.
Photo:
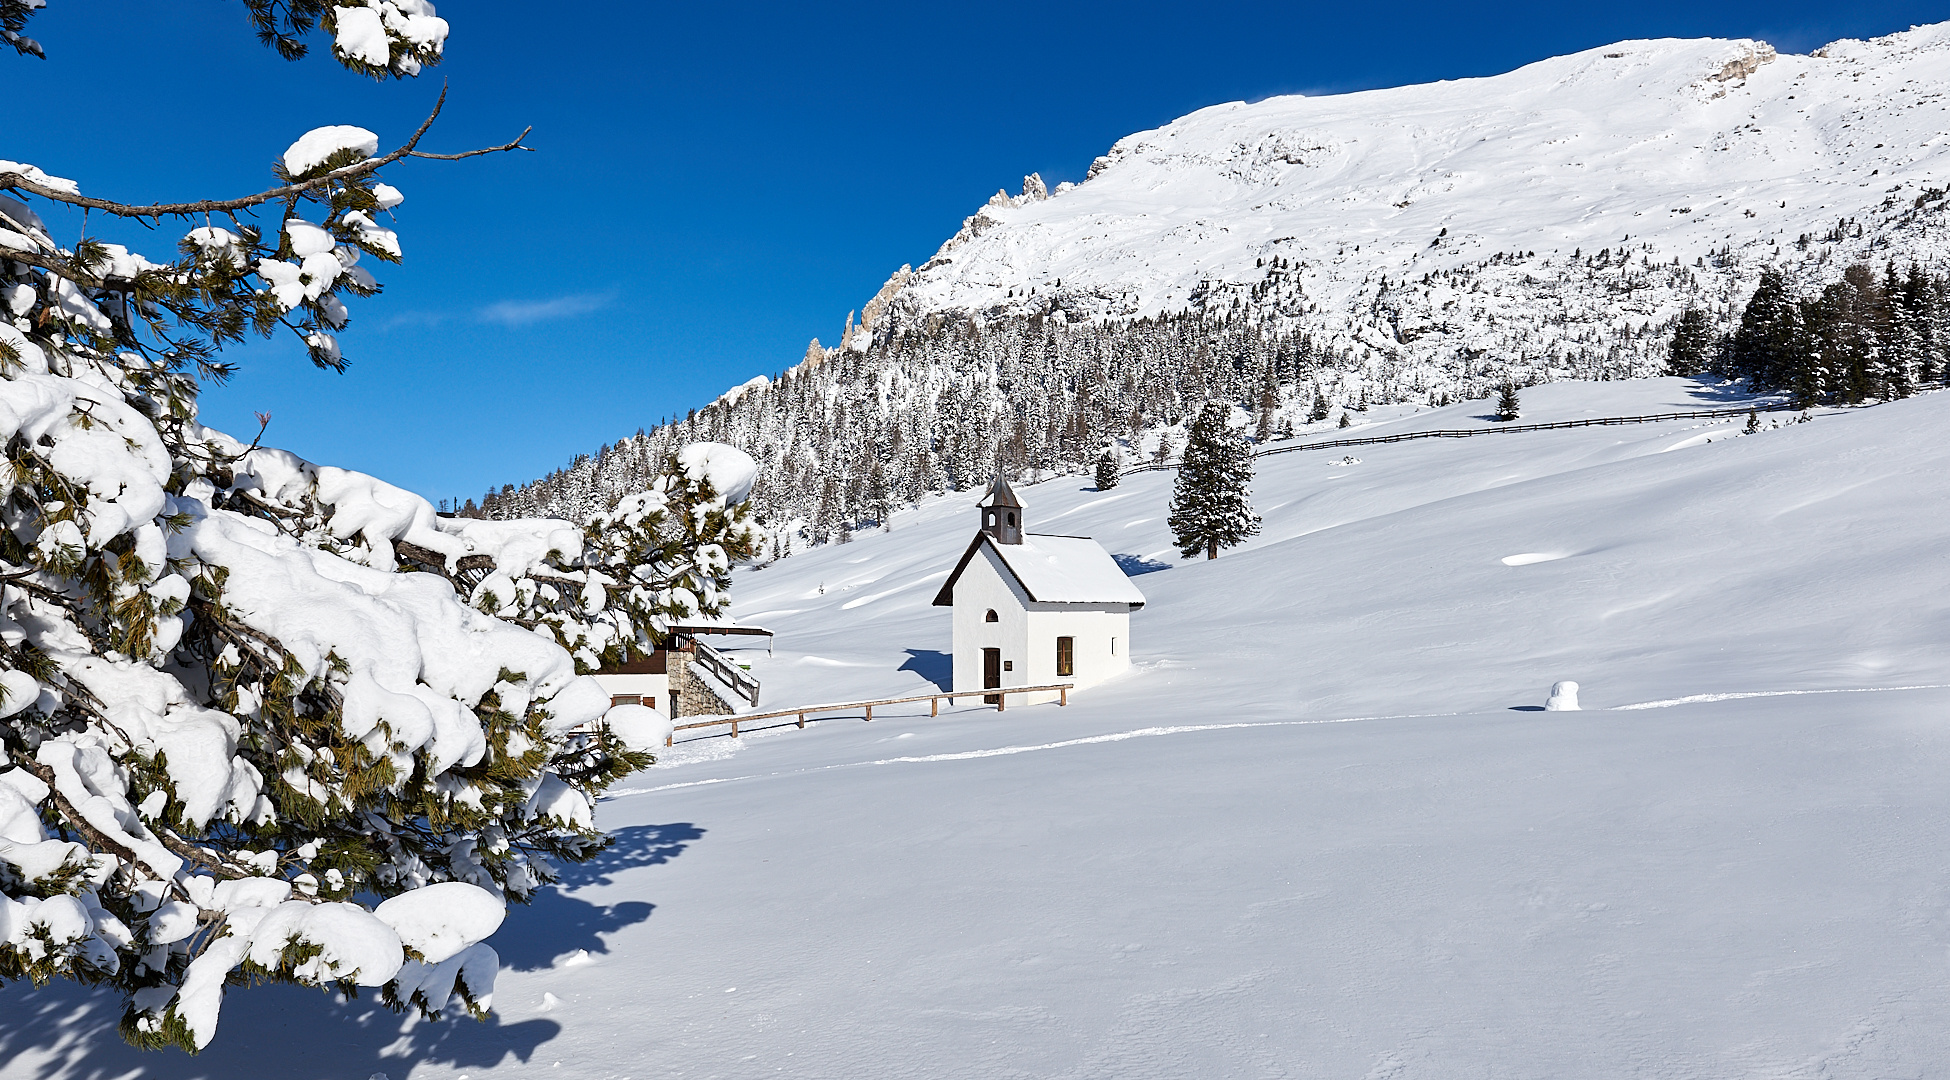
(982, 587)
(646, 687)
(1093, 626)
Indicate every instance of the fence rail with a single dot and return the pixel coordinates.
(1508, 429)
(999, 693)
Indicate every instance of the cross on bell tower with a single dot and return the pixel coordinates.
(1002, 513)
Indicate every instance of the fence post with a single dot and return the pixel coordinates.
(869, 714)
(802, 719)
(1001, 701)
(734, 727)
(934, 706)
(1063, 696)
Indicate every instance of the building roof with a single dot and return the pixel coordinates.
(1054, 570)
(696, 628)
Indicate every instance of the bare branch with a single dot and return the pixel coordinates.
(515, 145)
(220, 206)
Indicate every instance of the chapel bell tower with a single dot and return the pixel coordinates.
(1002, 513)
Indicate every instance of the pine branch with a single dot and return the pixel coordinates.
(221, 206)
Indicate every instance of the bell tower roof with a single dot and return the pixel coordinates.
(1002, 513)
(1000, 494)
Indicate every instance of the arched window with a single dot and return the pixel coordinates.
(991, 616)
(1012, 517)
(991, 517)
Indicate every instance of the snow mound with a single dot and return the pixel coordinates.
(638, 726)
(730, 470)
(439, 921)
(314, 146)
(1564, 697)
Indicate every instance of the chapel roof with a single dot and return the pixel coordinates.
(1054, 570)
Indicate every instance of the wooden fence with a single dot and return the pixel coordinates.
(999, 693)
(1501, 429)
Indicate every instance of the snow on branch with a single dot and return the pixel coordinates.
(35, 182)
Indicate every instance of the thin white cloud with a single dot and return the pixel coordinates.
(529, 312)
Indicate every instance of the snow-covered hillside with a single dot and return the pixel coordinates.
(1304, 256)
(1317, 831)
(1670, 148)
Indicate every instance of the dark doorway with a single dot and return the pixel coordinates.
(992, 675)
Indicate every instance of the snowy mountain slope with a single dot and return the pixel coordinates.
(1305, 256)
(1684, 146)
(1308, 835)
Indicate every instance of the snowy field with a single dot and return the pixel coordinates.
(1321, 830)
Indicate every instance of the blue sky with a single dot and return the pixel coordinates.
(715, 184)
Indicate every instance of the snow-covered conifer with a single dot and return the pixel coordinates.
(1107, 466)
(238, 740)
(1507, 405)
(1320, 409)
(1695, 344)
(1210, 506)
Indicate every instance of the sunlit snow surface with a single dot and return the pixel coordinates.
(1686, 147)
(1323, 829)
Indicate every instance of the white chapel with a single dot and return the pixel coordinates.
(1031, 609)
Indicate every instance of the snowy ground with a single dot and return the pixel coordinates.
(1321, 830)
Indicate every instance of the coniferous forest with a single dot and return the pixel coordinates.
(1867, 337)
(929, 402)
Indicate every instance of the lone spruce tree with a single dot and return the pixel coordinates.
(1507, 406)
(1209, 507)
(1107, 463)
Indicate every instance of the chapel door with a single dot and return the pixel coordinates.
(991, 675)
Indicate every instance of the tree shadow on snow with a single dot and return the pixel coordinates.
(1133, 565)
(630, 847)
(301, 1034)
(1729, 392)
(284, 1031)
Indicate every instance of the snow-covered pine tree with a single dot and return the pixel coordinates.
(1269, 402)
(239, 740)
(1107, 467)
(1507, 406)
(1320, 409)
(1210, 506)
(1695, 343)
(1763, 345)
